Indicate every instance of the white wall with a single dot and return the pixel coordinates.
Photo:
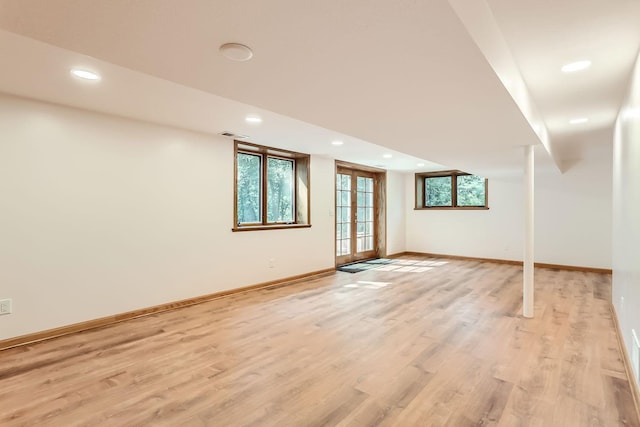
(493, 233)
(396, 222)
(101, 215)
(572, 218)
(626, 214)
(573, 212)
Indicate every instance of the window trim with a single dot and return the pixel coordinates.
(421, 177)
(301, 173)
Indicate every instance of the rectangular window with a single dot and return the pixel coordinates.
(437, 191)
(280, 190)
(271, 188)
(471, 190)
(451, 190)
(249, 183)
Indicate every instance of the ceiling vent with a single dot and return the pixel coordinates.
(233, 135)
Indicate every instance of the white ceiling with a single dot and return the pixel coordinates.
(43, 74)
(545, 35)
(402, 77)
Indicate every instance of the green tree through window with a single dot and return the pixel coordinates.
(279, 190)
(471, 190)
(438, 191)
(249, 184)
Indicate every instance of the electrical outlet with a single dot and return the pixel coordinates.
(5, 306)
(621, 304)
(272, 262)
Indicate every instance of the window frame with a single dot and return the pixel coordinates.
(265, 187)
(420, 185)
(301, 193)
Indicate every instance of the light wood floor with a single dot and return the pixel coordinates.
(443, 347)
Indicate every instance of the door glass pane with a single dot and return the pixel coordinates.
(365, 214)
(345, 198)
(346, 182)
(346, 246)
(343, 214)
(249, 186)
(368, 243)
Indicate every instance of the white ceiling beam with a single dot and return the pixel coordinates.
(481, 25)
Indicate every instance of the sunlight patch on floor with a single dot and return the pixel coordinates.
(368, 285)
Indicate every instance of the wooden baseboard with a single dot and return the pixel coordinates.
(464, 258)
(116, 318)
(398, 255)
(510, 262)
(627, 361)
(575, 268)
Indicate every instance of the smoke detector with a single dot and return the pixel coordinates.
(236, 52)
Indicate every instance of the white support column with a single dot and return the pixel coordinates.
(528, 281)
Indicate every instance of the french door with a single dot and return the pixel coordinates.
(356, 219)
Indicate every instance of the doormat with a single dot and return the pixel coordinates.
(357, 267)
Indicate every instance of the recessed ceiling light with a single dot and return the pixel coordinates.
(420, 165)
(576, 66)
(236, 52)
(337, 143)
(387, 156)
(84, 74)
(578, 120)
(253, 119)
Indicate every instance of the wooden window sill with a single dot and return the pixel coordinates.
(453, 208)
(269, 227)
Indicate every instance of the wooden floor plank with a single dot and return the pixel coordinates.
(441, 345)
